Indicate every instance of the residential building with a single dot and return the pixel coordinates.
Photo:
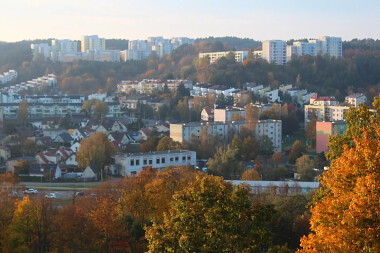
(207, 113)
(228, 114)
(325, 109)
(330, 45)
(274, 51)
(326, 129)
(132, 163)
(273, 130)
(9, 76)
(92, 42)
(135, 55)
(225, 131)
(356, 99)
(301, 48)
(64, 46)
(103, 55)
(214, 56)
(41, 49)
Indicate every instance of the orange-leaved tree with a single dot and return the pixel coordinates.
(346, 212)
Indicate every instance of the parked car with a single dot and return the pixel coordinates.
(31, 191)
(51, 196)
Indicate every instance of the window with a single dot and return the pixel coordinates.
(183, 158)
(188, 158)
(137, 161)
(176, 158)
(133, 173)
(150, 161)
(132, 162)
(158, 160)
(163, 160)
(145, 162)
(172, 159)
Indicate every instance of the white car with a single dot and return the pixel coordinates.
(31, 191)
(51, 196)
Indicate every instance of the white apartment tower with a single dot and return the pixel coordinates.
(66, 46)
(92, 42)
(274, 51)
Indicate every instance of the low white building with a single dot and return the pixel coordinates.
(214, 56)
(132, 163)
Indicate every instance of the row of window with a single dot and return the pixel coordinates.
(162, 160)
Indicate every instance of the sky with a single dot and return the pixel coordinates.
(139, 19)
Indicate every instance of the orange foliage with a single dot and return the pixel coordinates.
(347, 217)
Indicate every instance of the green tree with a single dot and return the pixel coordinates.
(266, 145)
(249, 149)
(210, 215)
(225, 163)
(305, 168)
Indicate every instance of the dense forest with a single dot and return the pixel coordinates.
(357, 71)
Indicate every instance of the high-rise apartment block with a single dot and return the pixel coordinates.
(331, 46)
(214, 56)
(41, 49)
(92, 42)
(66, 46)
(274, 51)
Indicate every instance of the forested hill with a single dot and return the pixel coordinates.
(358, 71)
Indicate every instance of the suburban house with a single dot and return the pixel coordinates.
(207, 113)
(51, 171)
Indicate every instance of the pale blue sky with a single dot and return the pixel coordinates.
(139, 19)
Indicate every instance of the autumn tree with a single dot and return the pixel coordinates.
(277, 158)
(251, 117)
(310, 133)
(298, 149)
(166, 143)
(23, 112)
(95, 150)
(346, 217)
(357, 119)
(147, 147)
(31, 226)
(345, 212)
(210, 215)
(95, 108)
(250, 175)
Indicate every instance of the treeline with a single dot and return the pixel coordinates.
(356, 72)
(175, 208)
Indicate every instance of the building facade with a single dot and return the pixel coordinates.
(92, 42)
(132, 163)
(274, 51)
(326, 129)
(214, 56)
(226, 131)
